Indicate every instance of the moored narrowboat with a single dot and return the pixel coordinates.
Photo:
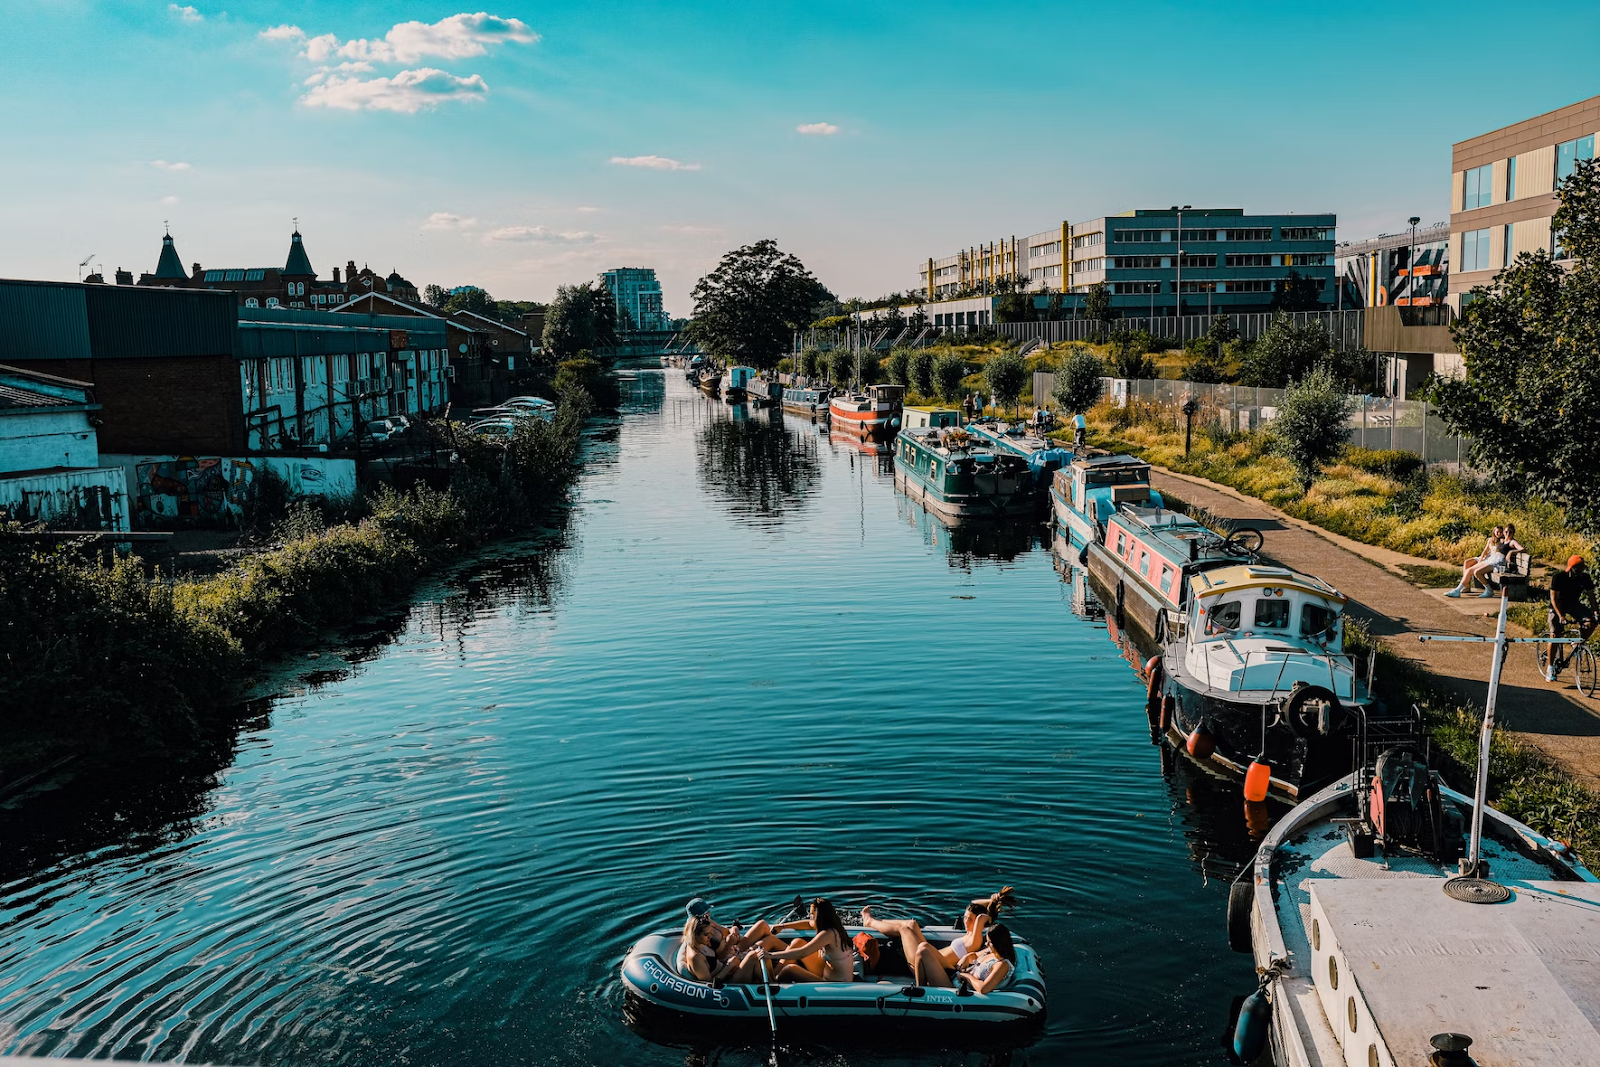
(735, 382)
(872, 413)
(1043, 457)
(948, 471)
(807, 400)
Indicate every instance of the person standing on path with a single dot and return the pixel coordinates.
(1080, 432)
(1572, 600)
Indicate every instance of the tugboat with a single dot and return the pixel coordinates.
(1252, 679)
(806, 400)
(1366, 911)
(873, 413)
(950, 472)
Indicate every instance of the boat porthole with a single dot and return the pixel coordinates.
(655, 988)
(1333, 972)
(1354, 1018)
(803, 1004)
(1316, 935)
(958, 1009)
(1372, 1056)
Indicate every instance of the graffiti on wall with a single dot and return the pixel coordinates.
(213, 491)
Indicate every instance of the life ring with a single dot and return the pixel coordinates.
(1152, 694)
(1294, 711)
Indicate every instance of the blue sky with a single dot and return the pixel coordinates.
(518, 146)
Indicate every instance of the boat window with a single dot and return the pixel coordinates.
(1144, 564)
(933, 468)
(1119, 543)
(1224, 617)
(1166, 579)
(1272, 614)
(1317, 620)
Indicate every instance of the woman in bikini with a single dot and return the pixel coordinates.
(987, 970)
(697, 958)
(979, 913)
(933, 966)
(834, 957)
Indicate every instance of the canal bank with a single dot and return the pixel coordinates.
(751, 670)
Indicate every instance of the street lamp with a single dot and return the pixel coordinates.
(1177, 294)
(1411, 265)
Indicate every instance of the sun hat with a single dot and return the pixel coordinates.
(697, 907)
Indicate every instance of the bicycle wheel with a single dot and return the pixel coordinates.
(1246, 540)
(1542, 652)
(1586, 670)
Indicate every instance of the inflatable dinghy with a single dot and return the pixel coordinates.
(653, 981)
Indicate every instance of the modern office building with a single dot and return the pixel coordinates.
(638, 296)
(1403, 269)
(1502, 191)
(1155, 261)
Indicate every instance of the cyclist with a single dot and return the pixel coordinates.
(1572, 600)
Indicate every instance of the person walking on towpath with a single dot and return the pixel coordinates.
(1080, 432)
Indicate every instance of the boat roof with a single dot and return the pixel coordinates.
(1250, 576)
(1097, 462)
(1167, 532)
(1519, 978)
(931, 410)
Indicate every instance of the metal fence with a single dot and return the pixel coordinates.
(1373, 422)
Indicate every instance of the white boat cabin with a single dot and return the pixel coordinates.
(1262, 629)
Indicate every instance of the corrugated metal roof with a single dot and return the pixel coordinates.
(69, 320)
(12, 396)
(41, 320)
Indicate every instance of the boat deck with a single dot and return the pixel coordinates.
(1521, 978)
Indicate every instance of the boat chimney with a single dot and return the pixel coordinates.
(1194, 549)
(1450, 1050)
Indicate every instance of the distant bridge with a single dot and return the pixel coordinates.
(653, 343)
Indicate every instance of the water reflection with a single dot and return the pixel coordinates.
(753, 461)
(879, 454)
(968, 543)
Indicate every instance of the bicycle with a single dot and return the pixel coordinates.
(1585, 668)
(1242, 543)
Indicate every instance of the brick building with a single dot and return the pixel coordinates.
(487, 357)
(294, 285)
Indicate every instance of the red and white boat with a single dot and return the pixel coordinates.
(873, 413)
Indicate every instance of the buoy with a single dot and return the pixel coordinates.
(1257, 819)
(1152, 691)
(1167, 704)
(1256, 780)
(1255, 1023)
(1201, 744)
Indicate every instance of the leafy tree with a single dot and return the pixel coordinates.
(1012, 306)
(842, 366)
(1052, 307)
(808, 363)
(1530, 398)
(746, 309)
(605, 316)
(948, 370)
(569, 322)
(1310, 429)
(1128, 354)
(921, 372)
(899, 366)
(867, 367)
(1203, 356)
(1285, 353)
(584, 372)
(1005, 376)
(1078, 380)
(435, 295)
(918, 319)
(1097, 304)
(1296, 293)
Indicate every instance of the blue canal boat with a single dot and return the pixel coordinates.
(1042, 456)
(807, 400)
(947, 470)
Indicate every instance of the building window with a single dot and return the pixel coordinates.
(1089, 264)
(1505, 260)
(1477, 187)
(1511, 179)
(1306, 259)
(341, 368)
(1475, 250)
(1200, 236)
(1569, 152)
(1135, 288)
(1306, 233)
(1249, 259)
(1262, 234)
(1141, 262)
(1088, 239)
(1142, 236)
(272, 302)
(250, 302)
(1200, 287)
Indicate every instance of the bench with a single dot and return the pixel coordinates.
(1512, 583)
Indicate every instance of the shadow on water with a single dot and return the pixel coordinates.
(758, 466)
(971, 543)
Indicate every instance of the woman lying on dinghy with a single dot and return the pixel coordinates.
(832, 958)
(983, 970)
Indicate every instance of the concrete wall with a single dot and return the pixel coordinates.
(212, 490)
(47, 438)
(89, 499)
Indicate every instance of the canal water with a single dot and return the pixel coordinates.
(745, 669)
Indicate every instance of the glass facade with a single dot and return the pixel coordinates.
(1569, 152)
(1478, 189)
(1475, 250)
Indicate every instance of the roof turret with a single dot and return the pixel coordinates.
(298, 262)
(169, 265)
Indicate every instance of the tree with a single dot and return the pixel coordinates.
(604, 310)
(1097, 304)
(1295, 293)
(918, 319)
(1078, 380)
(1310, 429)
(899, 366)
(1004, 376)
(746, 309)
(1203, 359)
(1530, 397)
(921, 372)
(1052, 307)
(948, 370)
(1013, 306)
(585, 373)
(1285, 353)
(435, 295)
(808, 365)
(842, 366)
(569, 321)
(1128, 354)
(867, 367)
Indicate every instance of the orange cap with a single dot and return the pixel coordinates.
(1574, 561)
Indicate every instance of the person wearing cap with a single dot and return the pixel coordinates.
(1572, 600)
(728, 941)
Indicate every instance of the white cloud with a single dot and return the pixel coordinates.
(693, 231)
(457, 37)
(586, 210)
(408, 92)
(445, 220)
(187, 14)
(169, 200)
(161, 164)
(817, 129)
(653, 163)
(541, 235)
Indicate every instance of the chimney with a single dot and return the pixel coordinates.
(197, 270)
(124, 277)
(336, 276)
(350, 271)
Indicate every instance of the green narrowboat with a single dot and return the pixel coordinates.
(948, 471)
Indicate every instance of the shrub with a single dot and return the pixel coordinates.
(1078, 380)
(786, 365)
(1310, 429)
(588, 375)
(1390, 462)
(921, 372)
(948, 370)
(1128, 355)
(809, 363)
(1005, 376)
(867, 368)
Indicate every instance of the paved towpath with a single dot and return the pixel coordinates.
(1553, 716)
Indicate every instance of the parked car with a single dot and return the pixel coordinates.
(501, 427)
(510, 411)
(537, 403)
(378, 431)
